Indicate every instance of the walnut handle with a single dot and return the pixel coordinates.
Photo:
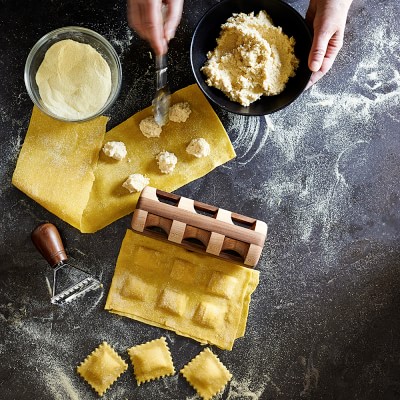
(47, 240)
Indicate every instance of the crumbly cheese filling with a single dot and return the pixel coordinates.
(253, 58)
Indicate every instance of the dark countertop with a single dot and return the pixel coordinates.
(324, 174)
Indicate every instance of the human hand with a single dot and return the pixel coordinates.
(146, 17)
(328, 19)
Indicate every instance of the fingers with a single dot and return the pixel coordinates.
(146, 18)
(173, 17)
(319, 49)
(328, 19)
(317, 75)
(323, 54)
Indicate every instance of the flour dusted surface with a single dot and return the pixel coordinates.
(253, 58)
(74, 80)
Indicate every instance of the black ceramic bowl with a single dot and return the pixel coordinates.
(208, 30)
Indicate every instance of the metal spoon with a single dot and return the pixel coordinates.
(162, 97)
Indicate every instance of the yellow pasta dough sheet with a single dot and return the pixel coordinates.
(110, 201)
(56, 164)
(193, 294)
(62, 167)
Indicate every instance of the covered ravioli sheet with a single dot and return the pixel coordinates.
(195, 295)
(110, 201)
(56, 164)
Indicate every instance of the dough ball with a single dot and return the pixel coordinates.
(74, 80)
(150, 128)
(136, 183)
(179, 112)
(199, 148)
(166, 162)
(116, 150)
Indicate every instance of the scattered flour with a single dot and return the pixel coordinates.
(240, 389)
(348, 124)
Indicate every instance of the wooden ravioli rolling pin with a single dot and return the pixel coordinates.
(199, 227)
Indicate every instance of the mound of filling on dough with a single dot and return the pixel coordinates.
(74, 80)
(136, 183)
(179, 112)
(198, 147)
(149, 127)
(166, 161)
(253, 58)
(116, 150)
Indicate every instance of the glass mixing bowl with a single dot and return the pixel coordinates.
(82, 35)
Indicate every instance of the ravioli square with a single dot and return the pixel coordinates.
(209, 314)
(134, 288)
(144, 254)
(206, 374)
(183, 271)
(102, 368)
(151, 360)
(222, 284)
(172, 301)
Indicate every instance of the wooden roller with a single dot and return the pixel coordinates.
(199, 227)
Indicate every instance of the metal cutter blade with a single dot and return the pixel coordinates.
(71, 282)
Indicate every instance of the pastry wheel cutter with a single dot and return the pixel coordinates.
(199, 227)
(69, 282)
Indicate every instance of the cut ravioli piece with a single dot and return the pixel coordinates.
(102, 368)
(151, 360)
(206, 374)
